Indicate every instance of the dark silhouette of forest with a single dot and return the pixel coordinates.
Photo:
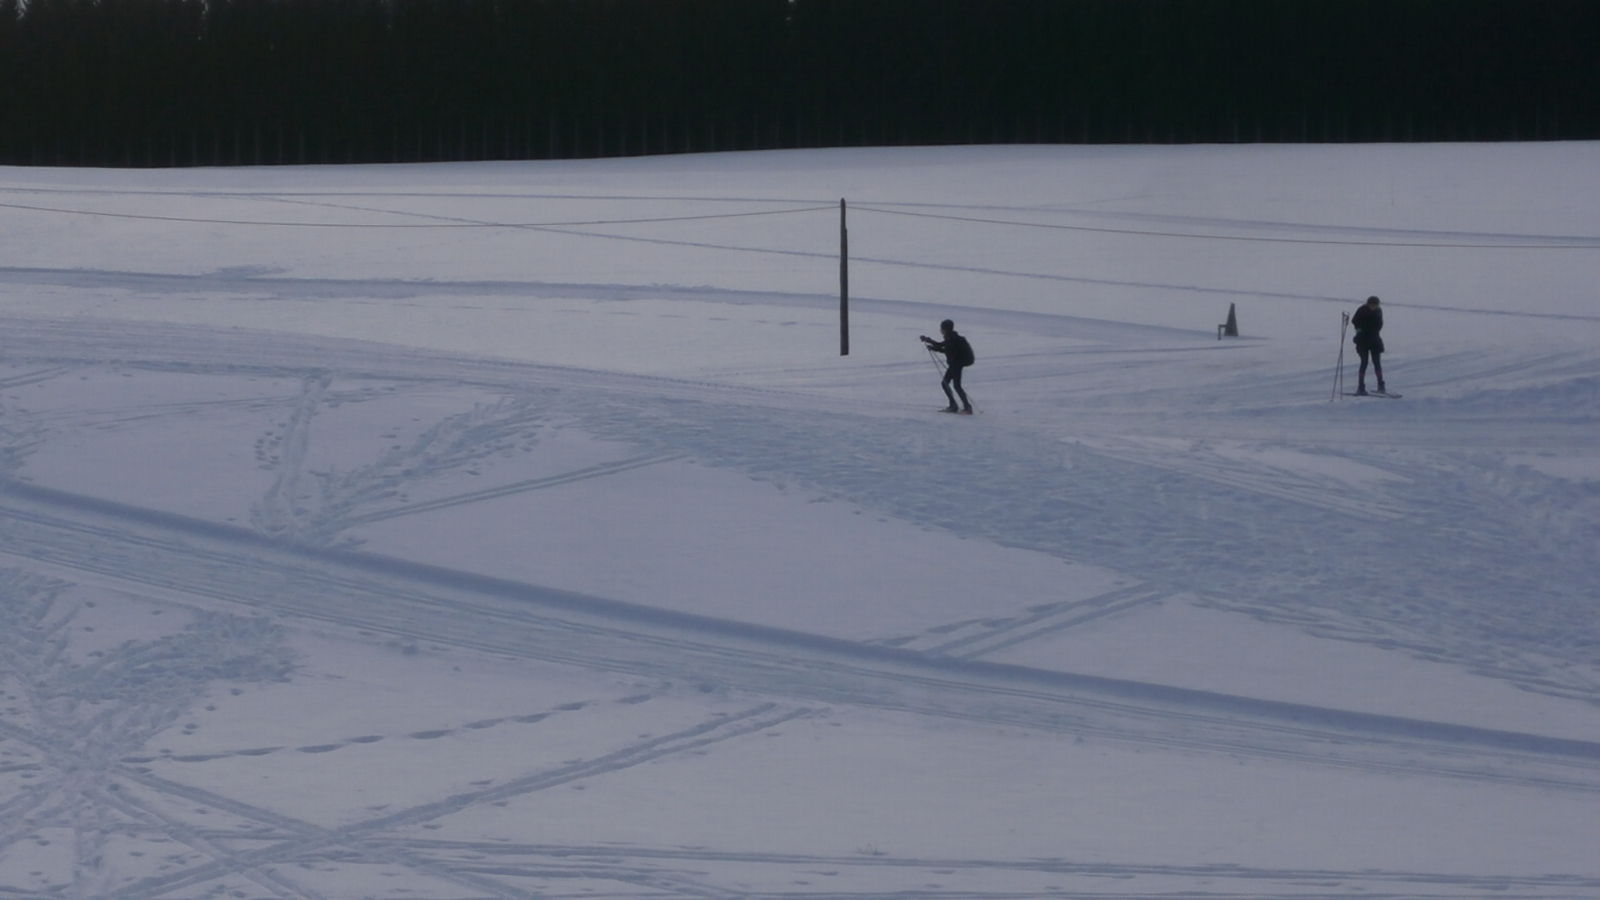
(224, 82)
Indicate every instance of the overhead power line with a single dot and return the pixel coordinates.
(1580, 243)
(402, 225)
(1533, 242)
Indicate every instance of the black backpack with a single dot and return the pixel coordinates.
(963, 355)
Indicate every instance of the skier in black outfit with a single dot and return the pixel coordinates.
(958, 354)
(1368, 322)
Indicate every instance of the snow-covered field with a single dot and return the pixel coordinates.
(517, 530)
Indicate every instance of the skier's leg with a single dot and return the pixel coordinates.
(1361, 373)
(950, 374)
(1377, 368)
(956, 381)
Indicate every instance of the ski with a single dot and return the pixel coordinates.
(1385, 394)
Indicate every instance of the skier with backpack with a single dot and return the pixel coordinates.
(958, 355)
(1368, 323)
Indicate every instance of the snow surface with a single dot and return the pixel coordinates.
(517, 530)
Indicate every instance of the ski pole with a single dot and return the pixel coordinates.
(1338, 369)
(936, 363)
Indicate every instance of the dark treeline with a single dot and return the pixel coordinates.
(204, 82)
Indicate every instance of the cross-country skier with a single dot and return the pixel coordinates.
(958, 355)
(1368, 322)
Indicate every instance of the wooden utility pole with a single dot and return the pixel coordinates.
(844, 283)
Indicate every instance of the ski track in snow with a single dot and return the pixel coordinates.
(123, 797)
(88, 770)
(1233, 532)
